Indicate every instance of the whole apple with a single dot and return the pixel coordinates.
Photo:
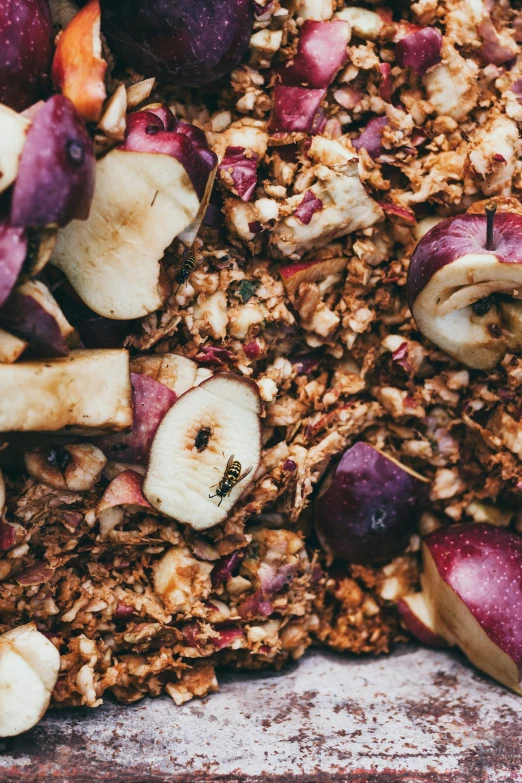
(465, 286)
(472, 584)
(368, 506)
(192, 43)
(26, 51)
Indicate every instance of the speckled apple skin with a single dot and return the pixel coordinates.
(369, 511)
(453, 238)
(483, 565)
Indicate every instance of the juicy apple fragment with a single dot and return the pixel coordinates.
(148, 191)
(89, 391)
(206, 427)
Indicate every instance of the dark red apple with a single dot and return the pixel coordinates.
(465, 286)
(26, 51)
(187, 43)
(13, 250)
(296, 109)
(151, 401)
(472, 583)
(55, 182)
(367, 507)
(321, 52)
(416, 616)
(420, 50)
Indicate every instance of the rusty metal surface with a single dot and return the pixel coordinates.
(417, 717)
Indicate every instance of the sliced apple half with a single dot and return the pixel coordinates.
(465, 287)
(418, 619)
(202, 431)
(472, 583)
(89, 391)
(148, 191)
(13, 132)
(29, 666)
(176, 372)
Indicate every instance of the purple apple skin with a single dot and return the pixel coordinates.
(24, 316)
(483, 566)
(55, 182)
(124, 490)
(13, 250)
(369, 509)
(148, 131)
(26, 51)
(151, 401)
(187, 43)
(418, 629)
(455, 237)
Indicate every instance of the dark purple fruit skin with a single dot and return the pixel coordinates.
(369, 510)
(26, 51)
(187, 42)
(13, 250)
(24, 316)
(56, 176)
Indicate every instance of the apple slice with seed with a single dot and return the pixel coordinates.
(206, 427)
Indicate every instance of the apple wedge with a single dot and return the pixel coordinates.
(124, 493)
(171, 369)
(207, 426)
(418, 619)
(472, 583)
(148, 191)
(13, 132)
(29, 666)
(78, 67)
(89, 391)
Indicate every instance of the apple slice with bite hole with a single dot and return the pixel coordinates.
(148, 191)
(367, 507)
(78, 67)
(151, 401)
(472, 583)
(417, 617)
(13, 132)
(465, 286)
(55, 181)
(11, 347)
(89, 391)
(124, 493)
(33, 313)
(207, 426)
(309, 272)
(176, 372)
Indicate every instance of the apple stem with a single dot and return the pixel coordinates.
(491, 208)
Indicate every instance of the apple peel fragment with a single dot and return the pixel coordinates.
(206, 427)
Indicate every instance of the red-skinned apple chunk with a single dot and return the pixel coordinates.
(89, 391)
(26, 50)
(207, 427)
(418, 619)
(472, 583)
(55, 181)
(148, 191)
(368, 506)
(78, 67)
(465, 287)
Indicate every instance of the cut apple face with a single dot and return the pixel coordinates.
(472, 584)
(418, 619)
(465, 291)
(209, 428)
(29, 666)
(78, 67)
(89, 391)
(11, 347)
(124, 493)
(13, 132)
(148, 191)
(174, 371)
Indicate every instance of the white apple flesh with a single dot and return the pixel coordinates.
(472, 583)
(89, 391)
(174, 371)
(465, 287)
(203, 429)
(418, 619)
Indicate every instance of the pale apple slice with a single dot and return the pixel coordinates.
(11, 347)
(472, 583)
(176, 372)
(418, 619)
(207, 426)
(13, 132)
(29, 666)
(89, 391)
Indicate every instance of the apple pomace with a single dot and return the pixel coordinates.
(203, 429)
(89, 391)
(29, 666)
(472, 583)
